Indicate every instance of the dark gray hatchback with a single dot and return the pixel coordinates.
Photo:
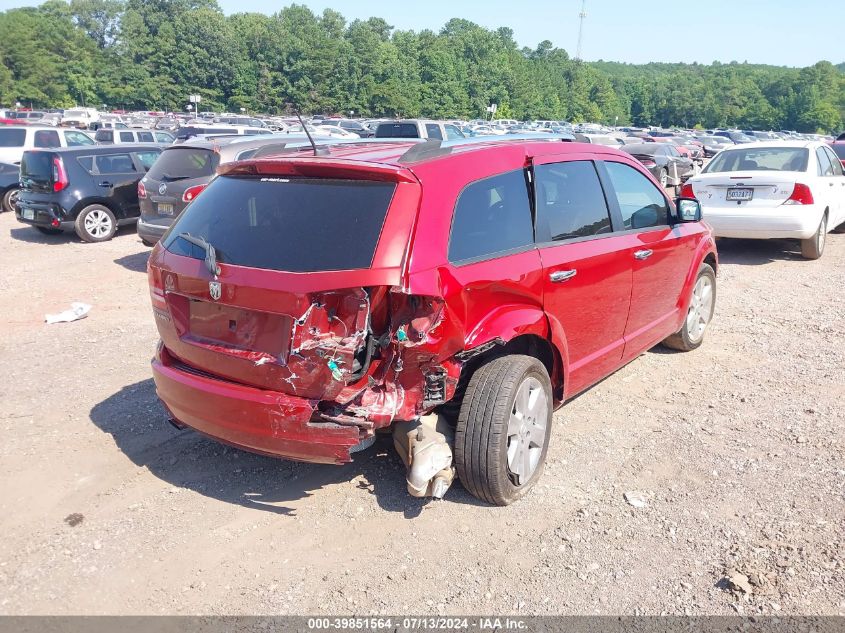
(182, 172)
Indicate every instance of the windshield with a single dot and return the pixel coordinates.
(760, 159)
(183, 163)
(296, 224)
(12, 137)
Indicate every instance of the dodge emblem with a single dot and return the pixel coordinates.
(162, 189)
(215, 290)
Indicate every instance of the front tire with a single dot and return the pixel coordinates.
(95, 223)
(9, 199)
(504, 427)
(813, 247)
(699, 314)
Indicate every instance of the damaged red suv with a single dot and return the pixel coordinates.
(455, 293)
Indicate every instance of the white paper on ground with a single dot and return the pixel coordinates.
(77, 311)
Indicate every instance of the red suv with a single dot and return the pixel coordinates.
(456, 292)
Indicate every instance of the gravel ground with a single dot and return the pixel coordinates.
(734, 452)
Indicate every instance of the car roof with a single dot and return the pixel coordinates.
(401, 153)
(770, 144)
(102, 149)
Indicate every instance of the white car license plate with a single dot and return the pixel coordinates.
(740, 194)
(28, 214)
(165, 209)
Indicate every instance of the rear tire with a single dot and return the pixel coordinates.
(699, 314)
(48, 231)
(9, 200)
(504, 427)
(147, 243)
(813, 248)
(95, 223)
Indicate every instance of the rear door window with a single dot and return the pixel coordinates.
(492, 217)
(570, 202)
(104, 136)
(126, 137)
(74, 139)
(146, 137)
(147, 159)
(835, 162)
(640, 201)
(825, 168)
(114, 164)
(433, 131)
(12, 137)
(289, 224)
(46, 138)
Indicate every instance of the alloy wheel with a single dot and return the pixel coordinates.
(700, 309)
(527, 430)
(98, 223)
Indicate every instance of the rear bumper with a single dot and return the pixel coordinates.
(783, 221)
(266, 422)
(149, 231)
(47, 215)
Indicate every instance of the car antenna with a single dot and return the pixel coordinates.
(321, 151)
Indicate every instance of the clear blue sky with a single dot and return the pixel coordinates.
(781, 32)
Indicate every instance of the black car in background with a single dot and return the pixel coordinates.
(663, 161)
(91, 190)
(9, 176)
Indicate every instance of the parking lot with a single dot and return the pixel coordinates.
(736, 450)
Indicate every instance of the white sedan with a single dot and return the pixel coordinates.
(783, 189)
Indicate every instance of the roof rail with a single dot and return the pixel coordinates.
(433, 148)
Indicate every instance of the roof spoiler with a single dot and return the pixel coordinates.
(433, 148)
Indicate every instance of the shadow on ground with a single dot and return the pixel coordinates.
(136, 262)
(136, 420)
(757, 252)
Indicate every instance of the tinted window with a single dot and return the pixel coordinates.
(397, 130)
(74, 139)
(145, 137)
(297, 224)
(649, 149)
(839, 149)
(126, 137)
(761, 159)
(147, 159)
(570, 202)
(36, 168)
(114, 164)
(46, 138)
(491, 216)
(825, 168)
(641, 203)
(433, 131)
(87, 163)
(184, 163)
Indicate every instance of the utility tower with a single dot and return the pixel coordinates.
(582, 16)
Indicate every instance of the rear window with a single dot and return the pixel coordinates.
(760, 159)
(36, 167)
(12, 138)
(397, 130)
(296, 225)
(184, 163)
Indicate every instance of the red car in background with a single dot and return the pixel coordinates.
(456, 292)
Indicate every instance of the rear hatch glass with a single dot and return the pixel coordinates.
(397, 130)
(12, 138)
(286, 224)
(184, 163)
(37, 171)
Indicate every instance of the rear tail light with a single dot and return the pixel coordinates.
(687, 192)
(192, 192)
(60, 181)
(142, 191)
(800, 195)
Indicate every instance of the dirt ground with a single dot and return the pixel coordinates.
(737, 450)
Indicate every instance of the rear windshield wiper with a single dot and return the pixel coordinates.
(210, 252)
(167, 178)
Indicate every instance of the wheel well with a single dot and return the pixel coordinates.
(527, 344)
(711, 260)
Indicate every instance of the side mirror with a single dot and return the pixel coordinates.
(689, 209)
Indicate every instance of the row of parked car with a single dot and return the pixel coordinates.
(521, 287)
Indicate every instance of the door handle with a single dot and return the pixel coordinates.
(105, 183)
(643, 254)
(562, 275)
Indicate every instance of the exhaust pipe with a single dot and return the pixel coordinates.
(425, 445)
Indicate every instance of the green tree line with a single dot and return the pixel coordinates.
(151, 54)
